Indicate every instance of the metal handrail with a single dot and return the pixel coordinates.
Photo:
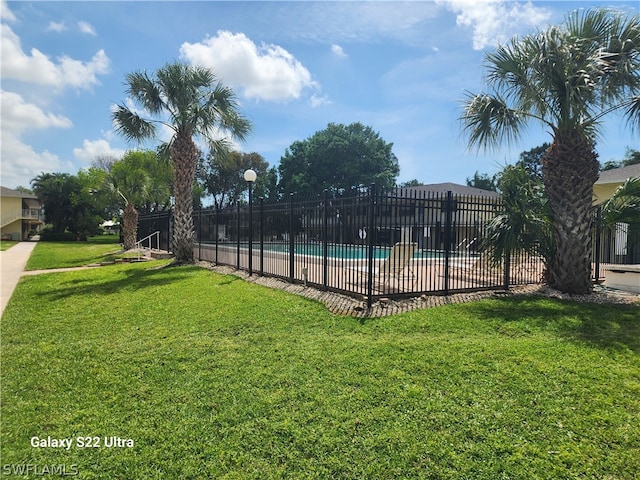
(139, 243)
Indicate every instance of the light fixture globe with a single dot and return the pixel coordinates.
(250, 176)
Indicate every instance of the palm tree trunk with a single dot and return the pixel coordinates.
(184, 155)
(130, 226)
(569, 169)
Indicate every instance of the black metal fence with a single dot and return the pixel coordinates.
(150, 223)
(365, 243)
(618, 244)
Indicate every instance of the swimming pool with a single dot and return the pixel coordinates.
(338, 250)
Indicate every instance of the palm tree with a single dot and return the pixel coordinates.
(521, 227)
(192, 103)
(129, 179)
(567, 78)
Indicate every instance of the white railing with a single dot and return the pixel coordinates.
(140, 244)
(25, 213)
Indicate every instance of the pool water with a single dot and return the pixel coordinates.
(350, 252)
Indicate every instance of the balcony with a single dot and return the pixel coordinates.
(33, 214)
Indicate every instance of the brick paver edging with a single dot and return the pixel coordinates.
(349, 306)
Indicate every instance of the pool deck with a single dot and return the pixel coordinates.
(423, 275)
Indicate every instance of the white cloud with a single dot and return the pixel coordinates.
(338, 51)
(265, 72)
(358, 22)
(18, 115)
(37, 67)
(495, 21)
(319, 101)
(6, 14)
(20, 162)
(56, 27)
(87, 28)
(92, 149)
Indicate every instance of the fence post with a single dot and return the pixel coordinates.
(200, 234)
(507, 269)
(261, 236)
(370, 226)
(217, 230)
(448, 220)
(325, 241)
(238, 239)
(169, 230)
(596, 253)
(292, 265)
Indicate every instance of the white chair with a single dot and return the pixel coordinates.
(395, 268)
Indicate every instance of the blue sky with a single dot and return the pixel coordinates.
(400, 67)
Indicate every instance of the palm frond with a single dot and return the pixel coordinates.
(523, 223)
(145, 92)
(632, 113)
(164, 152)
(624, 204)
(571, 75)
(590, 23)
(488, 121)
(220, 112)
(131, 125)
(509, 71)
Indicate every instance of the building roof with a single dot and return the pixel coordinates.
(7, 192)
(454, 188)
(619, 175)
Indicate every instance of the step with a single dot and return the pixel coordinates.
(160, 255)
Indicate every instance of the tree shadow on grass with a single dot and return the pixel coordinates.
(133, 279)
(603, 326)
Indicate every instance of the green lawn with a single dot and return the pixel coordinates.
(7, 244)
(213, 377)
(101, 248)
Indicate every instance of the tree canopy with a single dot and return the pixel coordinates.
(483, 181)
(631, 157)
(222, 176)
(337, 158)
(139, 181)
(68, 201)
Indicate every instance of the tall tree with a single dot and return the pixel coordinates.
(222, 175)
(531, 160)
(137, 183)
(338, 158)
(566, 78)
(483, 181)
(631, 157)
(54, 192)
(414, 182)
(191, 102)
(68, 202)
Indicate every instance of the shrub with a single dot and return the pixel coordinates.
(48, 235)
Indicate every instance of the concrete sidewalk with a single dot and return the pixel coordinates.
(12, 263)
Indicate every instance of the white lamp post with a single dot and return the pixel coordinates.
(250, 177)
